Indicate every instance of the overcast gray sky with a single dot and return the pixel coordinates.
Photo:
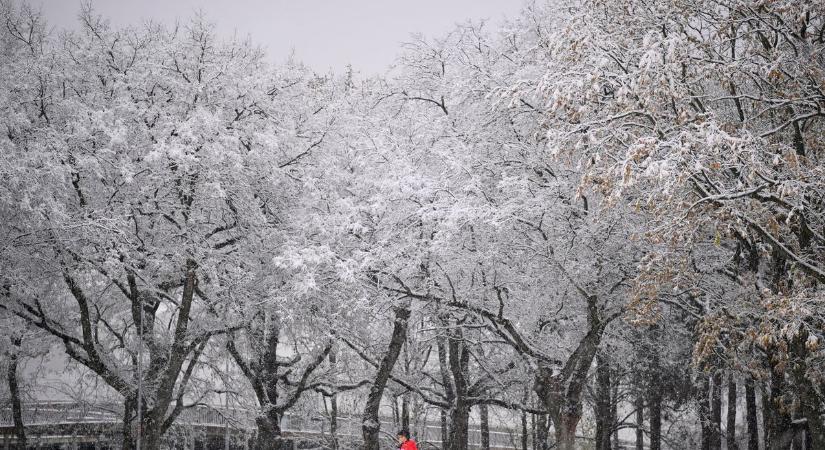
(324, 33)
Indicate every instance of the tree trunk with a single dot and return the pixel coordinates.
(524, 430)
(704, 411)
(264, 378)
(151, 438)
(810, 410)
(333, 421)
(566, 425)
(614, 410)
(171, 363)
(459, 426)
(445, 428)
(333, 402)
(764, 400)
(269, 420)
(396, 412)
(14, 391)
(561, 393)
(158, 418)
(405, 411)
(716, 412)
(809, 399)
(370, 424)
(484, 416)
(655, 417)
(129, 420)
(459, 357)
(730, 428)
(604, 425)
(640, 423)
(750, 406)
(541, 432)
(270, 436)
(798, 439)
(564, 411)
(443, 364)
(777, 421)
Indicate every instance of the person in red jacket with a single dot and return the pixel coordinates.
(404, 441)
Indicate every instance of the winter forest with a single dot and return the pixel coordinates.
(597, 225)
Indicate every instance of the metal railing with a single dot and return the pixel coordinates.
(56, 414)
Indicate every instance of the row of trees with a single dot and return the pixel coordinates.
(587, 202)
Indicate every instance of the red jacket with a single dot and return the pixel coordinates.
(409, 445)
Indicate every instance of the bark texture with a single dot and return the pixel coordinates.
(370, 424)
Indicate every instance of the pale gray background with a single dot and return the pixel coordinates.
(325, 34)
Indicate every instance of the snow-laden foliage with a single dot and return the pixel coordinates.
(616, 203)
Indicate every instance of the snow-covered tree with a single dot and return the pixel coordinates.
(143, 174)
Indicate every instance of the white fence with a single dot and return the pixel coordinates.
(53, 415)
